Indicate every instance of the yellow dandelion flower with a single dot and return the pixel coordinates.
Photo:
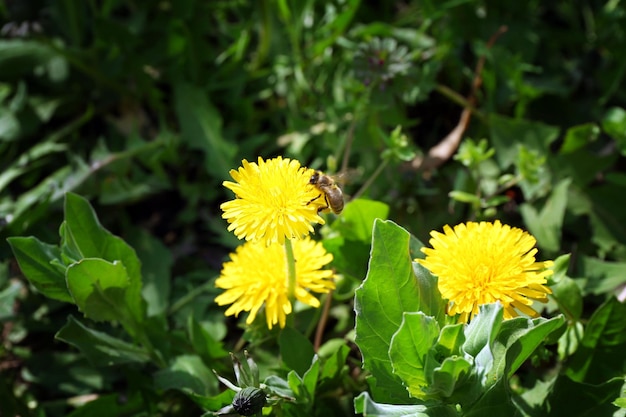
(274, 201)
(481, 263)
(256, 275)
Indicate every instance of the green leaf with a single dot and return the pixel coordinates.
(357, 219)
(110, 405)
(187, 373)
(602, 347)
(445, 379)
(518, 338)
(451, 339)
(333, 364)
(569, 398)
(203, 341)
(100, 348)
(35, 260)
(201, 128)
(602, 276)
(496, 401)
(569, 297)
(363, 404)
(481, 332)
(614, 124)
(429, 301)
(410, 349)
(304, 387)
(7, 299)
(83, 236)
(296, 350)
(506, 132)
(546, 225)
(156, 267)
(579, 136)
(99, 289)
(465, 197)
(389, 290)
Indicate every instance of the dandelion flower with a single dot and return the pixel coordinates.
(256, 275)
(274, 201)
(481, 263)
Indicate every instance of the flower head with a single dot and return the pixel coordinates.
(274, 201)
(256, 275)
(481, 263)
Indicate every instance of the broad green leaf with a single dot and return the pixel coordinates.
(83, 234)
(201, 128)
(450, 340)
(495, 401)
(187, 373)
(311, 376)
(518, 338)
(99, 289)
(410, 349)
(389, 290)
(445, 379)
(296, 350)
(546, 225)
(100, 348)
(357, 219)
(430, 301)
(482, 331)
(34, 258)
(363, 404)
(602, 347)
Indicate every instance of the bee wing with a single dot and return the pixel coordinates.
(347, 177)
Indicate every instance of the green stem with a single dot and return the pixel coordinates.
(291, 279)
(371, 179)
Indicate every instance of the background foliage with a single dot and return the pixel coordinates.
(144, 107)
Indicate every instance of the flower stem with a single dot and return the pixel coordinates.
(291, 270)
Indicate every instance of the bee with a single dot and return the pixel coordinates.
(333, 196)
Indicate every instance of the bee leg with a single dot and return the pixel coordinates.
(320, 209)
(313, 199)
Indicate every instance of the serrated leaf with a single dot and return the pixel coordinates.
(100, 348)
